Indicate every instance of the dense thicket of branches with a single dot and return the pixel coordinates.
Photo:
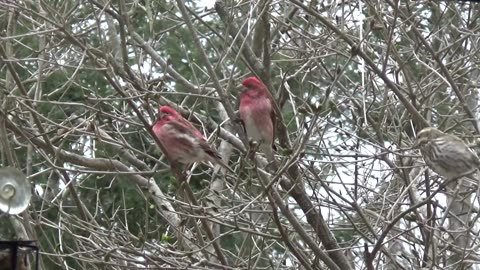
(354, 80)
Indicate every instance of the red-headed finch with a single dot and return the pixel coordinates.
(257, 114)
(181, 140)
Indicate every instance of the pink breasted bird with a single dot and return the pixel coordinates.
(258, 115)
(181, 140)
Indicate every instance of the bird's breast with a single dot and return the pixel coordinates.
(256, 116)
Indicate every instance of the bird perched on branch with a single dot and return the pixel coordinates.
(181, 140)
(257, 114)
(446, 154)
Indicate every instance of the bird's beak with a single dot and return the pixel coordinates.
(160, 115)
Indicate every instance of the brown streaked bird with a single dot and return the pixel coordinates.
(447, 155)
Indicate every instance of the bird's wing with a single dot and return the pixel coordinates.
(209, 150)
(189, 125)
(191, 133)
(459, 148)
(181, 128)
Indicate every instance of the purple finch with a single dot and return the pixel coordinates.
(446, 154)
(181, 140)
(257, 114)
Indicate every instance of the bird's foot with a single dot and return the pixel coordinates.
(252, 149)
